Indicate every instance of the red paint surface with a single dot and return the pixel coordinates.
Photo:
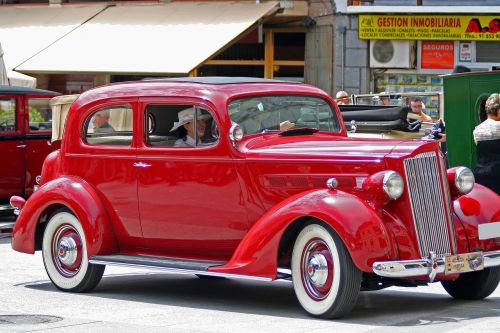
(231, 203)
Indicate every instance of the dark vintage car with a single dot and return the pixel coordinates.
(25, 130)
(254, 179)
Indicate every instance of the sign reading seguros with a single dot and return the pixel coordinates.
(430, 27)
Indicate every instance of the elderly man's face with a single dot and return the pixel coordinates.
(416, 107)
(99, 119)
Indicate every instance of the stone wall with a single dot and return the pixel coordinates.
(335, 58)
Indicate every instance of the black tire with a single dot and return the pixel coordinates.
(474, 285)
(64, 251)
(325, 280)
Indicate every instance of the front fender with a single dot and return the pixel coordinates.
(481, 205)
(81, 199)
(358, 225)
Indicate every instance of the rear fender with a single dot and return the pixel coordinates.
(358, 225)
(78, 196)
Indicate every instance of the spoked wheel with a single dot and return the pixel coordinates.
(65, 255)
(325, 280)
(474, 285)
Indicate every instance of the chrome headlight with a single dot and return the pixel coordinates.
(235, 133)
(393, 184)
(464, 180)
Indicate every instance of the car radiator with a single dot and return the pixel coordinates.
(430, 204)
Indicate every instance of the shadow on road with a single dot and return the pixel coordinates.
(384, 308)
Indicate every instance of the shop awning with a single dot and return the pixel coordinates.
(25, 31)
(171, 38)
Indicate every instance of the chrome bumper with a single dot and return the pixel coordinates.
(419, 267)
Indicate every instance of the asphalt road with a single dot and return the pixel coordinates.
(132, 300)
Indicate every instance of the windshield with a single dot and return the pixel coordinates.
(281, 113)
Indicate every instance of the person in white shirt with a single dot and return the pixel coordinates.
(186, 120)
(487, 137)
(490, 128)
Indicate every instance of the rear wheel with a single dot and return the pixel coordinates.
(474, 285)
(65, 258)
(325, 280)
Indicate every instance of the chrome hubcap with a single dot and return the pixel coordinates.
(317, 269)
(67, 250)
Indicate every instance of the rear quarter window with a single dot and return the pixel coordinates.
(111, 125)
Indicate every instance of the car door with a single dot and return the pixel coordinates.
(38, 115)
(103, 154)
(12, 148)
(190, 200)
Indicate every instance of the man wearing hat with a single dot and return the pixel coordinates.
(186, 121)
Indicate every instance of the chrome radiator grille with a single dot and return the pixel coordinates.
(430, 204)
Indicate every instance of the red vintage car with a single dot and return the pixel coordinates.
(25, 129)
(257, 179)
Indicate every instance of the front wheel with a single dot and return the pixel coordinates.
(64, 250)
(325, 280)
(474, 285)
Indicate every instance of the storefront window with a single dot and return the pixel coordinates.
(487, 51)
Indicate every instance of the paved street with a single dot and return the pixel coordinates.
(130, 300)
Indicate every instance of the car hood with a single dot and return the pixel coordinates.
(322, 146)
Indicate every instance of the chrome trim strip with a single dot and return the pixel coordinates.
(488, 230)
(180, 271)
(419, 267)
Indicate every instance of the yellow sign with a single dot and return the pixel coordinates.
(430, 27)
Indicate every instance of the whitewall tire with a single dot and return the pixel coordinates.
(325, 280)
(64, 250)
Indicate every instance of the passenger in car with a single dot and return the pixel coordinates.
(342, 97)
(100, 121)
(186, 121)
(417, 107)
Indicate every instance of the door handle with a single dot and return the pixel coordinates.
(141, 165)
(21, 146)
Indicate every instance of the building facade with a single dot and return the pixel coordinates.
(71, 47)
(404, 45)
(358, 46)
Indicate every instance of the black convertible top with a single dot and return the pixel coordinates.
(219, 80)
(15, 90)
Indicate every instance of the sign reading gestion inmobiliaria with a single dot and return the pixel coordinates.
(430, 27)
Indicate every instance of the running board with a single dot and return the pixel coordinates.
(173, 265)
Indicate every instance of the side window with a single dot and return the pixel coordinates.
(110, 126)
(40, 114)
(180, 126)
(7, 114)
